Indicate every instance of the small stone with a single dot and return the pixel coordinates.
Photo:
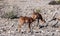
(9, 32)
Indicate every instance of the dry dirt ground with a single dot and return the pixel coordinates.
(8, 27)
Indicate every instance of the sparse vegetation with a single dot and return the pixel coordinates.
(54, 2)
(59, 1)
(38, 10)
(10, 15)
(1, 0)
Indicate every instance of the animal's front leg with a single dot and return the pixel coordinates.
(42, 21)
(29, 27)
(37, 24)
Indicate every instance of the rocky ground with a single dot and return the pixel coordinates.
(8, 27)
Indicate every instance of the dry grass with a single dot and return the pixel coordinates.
(10, 15)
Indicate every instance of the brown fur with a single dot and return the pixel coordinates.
(37, 16)
(29, 20)
(23, 20)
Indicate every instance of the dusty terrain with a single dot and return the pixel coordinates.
(8, 27)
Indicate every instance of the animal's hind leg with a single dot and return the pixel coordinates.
(19, 28)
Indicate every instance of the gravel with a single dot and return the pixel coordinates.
(8, 27)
